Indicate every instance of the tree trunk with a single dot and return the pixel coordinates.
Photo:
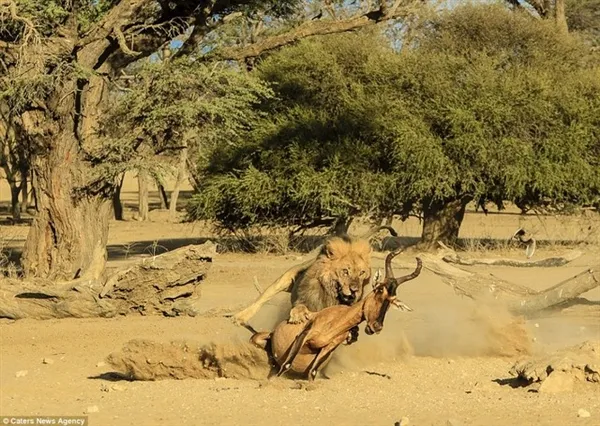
(441, 221)
(181, 176)
(162, 194)
(116, 199)
(341, 226)
(143, 195)
(69, 233)
(25, 198)
(15, 204)
(560, 17)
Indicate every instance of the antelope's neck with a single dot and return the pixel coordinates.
(355, 314)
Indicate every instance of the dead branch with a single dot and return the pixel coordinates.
(309, 29)
(123, 43)
(30, 30)
(518, 299)
(547, 262)
(166, 284)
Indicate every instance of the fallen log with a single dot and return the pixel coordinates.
(166, 284)
(518, 299)
(547, 262)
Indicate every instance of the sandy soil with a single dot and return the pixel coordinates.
(441, 364)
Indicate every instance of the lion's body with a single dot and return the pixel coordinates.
(337, 276)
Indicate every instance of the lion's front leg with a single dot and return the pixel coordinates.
(300, 314)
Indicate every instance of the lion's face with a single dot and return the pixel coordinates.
(350, 268)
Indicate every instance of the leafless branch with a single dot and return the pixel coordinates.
(312, 28)
(29, 30)
(123, 43)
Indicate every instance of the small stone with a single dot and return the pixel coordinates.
(92, 409)
(21, 373)
(104, 388)
(404, 421)
(453, 422)
(117, 387)
(583, 413)
(48, 361)
(557, 381)
(101, 364)
(451, 361)
(536, 325)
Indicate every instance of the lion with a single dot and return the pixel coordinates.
(338, 275)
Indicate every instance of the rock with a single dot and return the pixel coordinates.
(21, 373)
(48, 361)
(453, 422)
(101, 364)
(117, 387)
(557, 381)
(92, 409)
(404, 421)
(583, 413)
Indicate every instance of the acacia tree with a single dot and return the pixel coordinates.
(485, 103)
(60, 60)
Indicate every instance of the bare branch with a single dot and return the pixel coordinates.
(29, 30)
(309, 29)
(123, 43)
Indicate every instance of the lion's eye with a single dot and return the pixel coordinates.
(345, 271)
(362, 273)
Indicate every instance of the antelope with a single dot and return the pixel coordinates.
(306, 348)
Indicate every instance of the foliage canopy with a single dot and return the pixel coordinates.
(483, 103)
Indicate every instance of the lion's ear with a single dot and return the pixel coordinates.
(328, 250)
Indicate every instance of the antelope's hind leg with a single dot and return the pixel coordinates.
(299, 341)
(324, 355)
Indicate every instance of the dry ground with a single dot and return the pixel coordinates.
(441, 362)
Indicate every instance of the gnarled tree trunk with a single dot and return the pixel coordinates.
(116, 199)
(68, 236)
(441, 221)
(181, 176)
(162, 194)
(15, 203)
(143, 195)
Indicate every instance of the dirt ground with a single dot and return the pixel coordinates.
(446, 363)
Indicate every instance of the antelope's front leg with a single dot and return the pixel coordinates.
(324, 355)
(352, 336)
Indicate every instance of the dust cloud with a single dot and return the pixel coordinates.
(462, 328)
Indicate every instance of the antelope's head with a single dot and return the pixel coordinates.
(384, 295)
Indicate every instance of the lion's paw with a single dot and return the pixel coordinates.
(241, 318)
(300, 314)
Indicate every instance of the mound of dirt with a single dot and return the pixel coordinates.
(558, 371)
(148, 360)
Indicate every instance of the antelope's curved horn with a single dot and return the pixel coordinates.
(395, 282)
(389, 273)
